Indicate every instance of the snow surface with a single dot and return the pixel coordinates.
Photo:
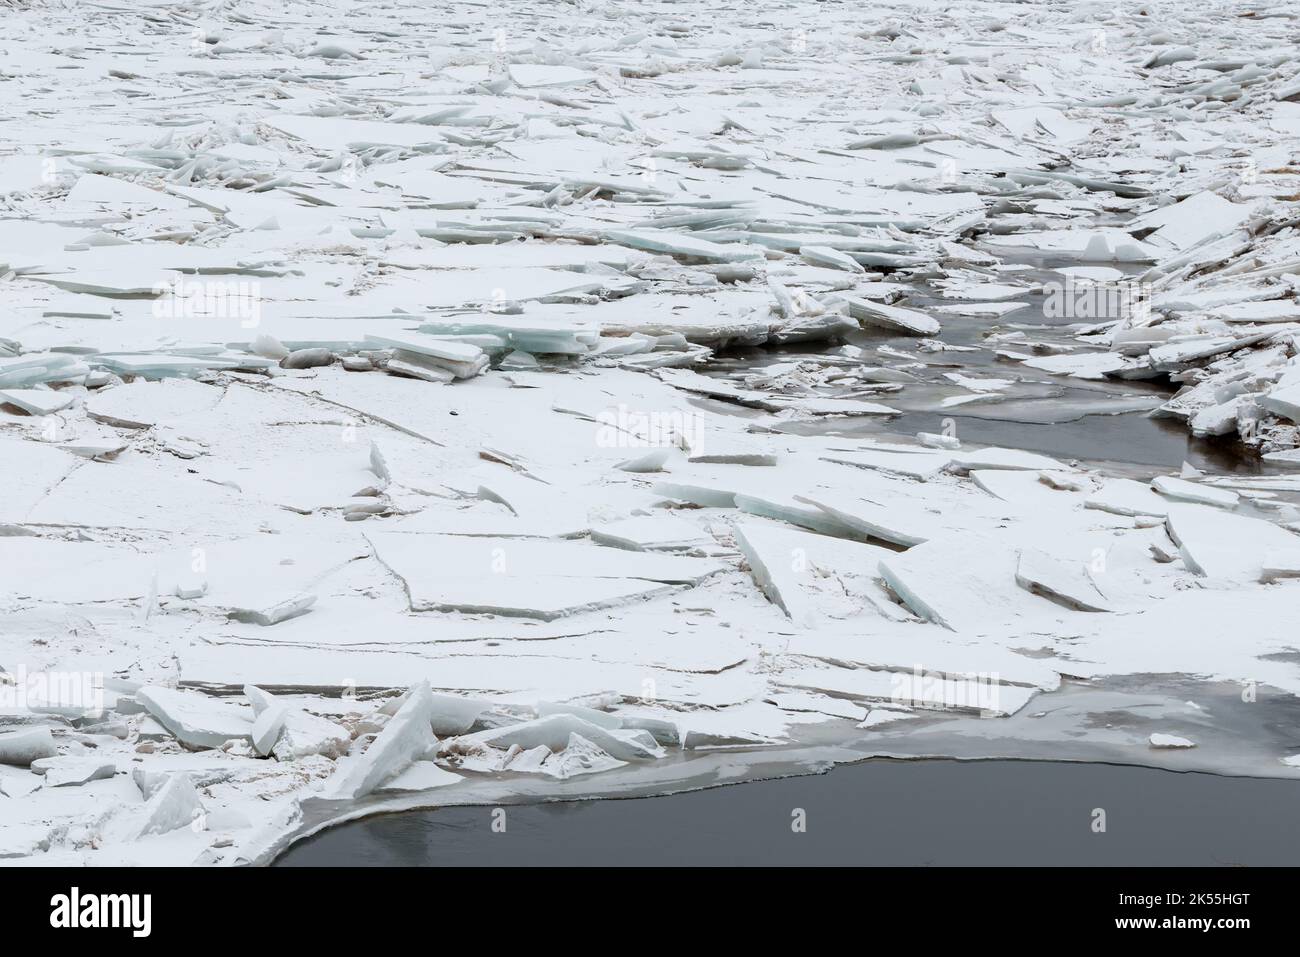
(371, 433)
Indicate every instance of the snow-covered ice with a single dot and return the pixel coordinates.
(400, 405)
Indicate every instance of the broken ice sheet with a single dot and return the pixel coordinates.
(806, 574)
(605, 326)
(263, 580)
(528, 578)
(1221, 545)
(651, 533)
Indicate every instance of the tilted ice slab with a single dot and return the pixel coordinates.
(1284, 401)
(1127, 497)
(530, 578)
(893, 318)
(1190, 221)
(1220, 545)
(911, 689)
(676, 244)
(406, 738)
(995, 458)
(651, 533)
(553, 732)
(196, 720)
(787, 565)
(36, 401)
(544, 598)
(20, 372)
(1091, 246)
(901, 524)
(1184, 491)
(1065, 582)
(970, 584)
(918, 465)
(445, 555)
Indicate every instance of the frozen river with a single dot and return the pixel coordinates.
(516, 403)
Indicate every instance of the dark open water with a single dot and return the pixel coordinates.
(878, 812)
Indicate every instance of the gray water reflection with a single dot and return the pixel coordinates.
(878, 812)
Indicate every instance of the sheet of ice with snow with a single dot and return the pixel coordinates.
(397, 405)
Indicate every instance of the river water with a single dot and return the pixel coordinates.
(878, 812)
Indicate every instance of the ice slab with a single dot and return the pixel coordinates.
(1217, 544)
(142, 405)
(891, 317)
(544, 598)
(651, 533)
(1284, 401)
(291, 733)
(36, 401)
(176, 804)
(921, 465)
(1093, 365)
(420, 776)
(677, 244)
(898, 523)
(73, 771)
(1281, 563)
(336, 133)
(267, 728)
(1181, 490)
(263, 579)
(21, 748)
(536, 75)
(911, 689)
(530, 578)
(1127, 497)
(1189, 221)
(994, 458)
(197, 720)
(965, 584)
(21, 372)
(788, 565)
(1067, 583)
(406, 738)
(553, 732)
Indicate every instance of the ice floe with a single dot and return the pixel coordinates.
(401, 406)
